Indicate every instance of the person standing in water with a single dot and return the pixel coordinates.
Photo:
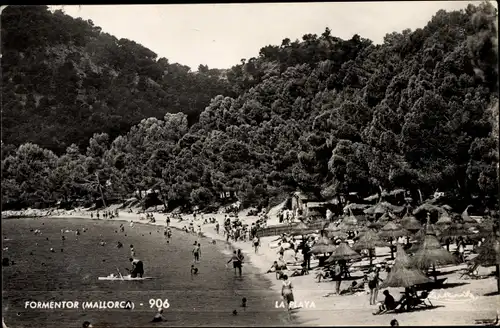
(137, 268)
(132, 251)
(197, 252)
(236, 262)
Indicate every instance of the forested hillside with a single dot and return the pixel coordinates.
(63, 80)
(325, 115)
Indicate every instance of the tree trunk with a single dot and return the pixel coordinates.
(370, 254)
(421, 198)
(100, 190)
(498, 278)
(434, 273)
(392, 251)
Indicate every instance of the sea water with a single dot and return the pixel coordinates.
(70, 274)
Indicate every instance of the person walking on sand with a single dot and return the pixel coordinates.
(287, 293)
(197, 252)
(236, 262)
(256, 243)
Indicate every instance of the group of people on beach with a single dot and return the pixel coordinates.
(105, 214)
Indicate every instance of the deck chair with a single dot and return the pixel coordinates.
(422, 299)
(471, 272)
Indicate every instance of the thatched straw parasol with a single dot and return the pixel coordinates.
(350, 220)
(392, 231)
(444, 220)
(383, 207)
(343, 252)
(455, 230)
(322, 248)
(431, 253)
(334, 231)
(466, 217)
(428, 208)
(385, 218)
(411, 223)
(401, 274)
(402, 259)
(356, 207)
(301, 228)
(369, 240)
(343, 226)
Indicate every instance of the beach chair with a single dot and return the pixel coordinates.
(422, 300)
(471, 272)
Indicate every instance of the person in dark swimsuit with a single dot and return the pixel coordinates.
(236, 262)
(137, 268)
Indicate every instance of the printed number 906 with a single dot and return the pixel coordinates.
(159, 303)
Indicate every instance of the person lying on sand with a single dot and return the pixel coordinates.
(353, 288)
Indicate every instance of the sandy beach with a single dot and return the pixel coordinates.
(462, 303)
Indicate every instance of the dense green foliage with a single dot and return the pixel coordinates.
(64, 80)
(325, 115)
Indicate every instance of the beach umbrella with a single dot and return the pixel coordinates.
(369, 240)
(411, 223)
(301, 228)
(455, 230)
(362, 229)
(334, 231)
(350, 220)
(393, 231)
(444, 220)
(343, 252)
(428, 208)
(322, 248)
(356, 207)
(466, 217)
(431, 253)
(402, 275)
(385, 218)
(402, 259)
(383, 207)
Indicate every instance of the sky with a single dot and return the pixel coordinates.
(220, 35)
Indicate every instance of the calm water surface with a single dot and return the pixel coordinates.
(204, 300)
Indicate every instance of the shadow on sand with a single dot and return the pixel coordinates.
(492, 293)
(450, 285)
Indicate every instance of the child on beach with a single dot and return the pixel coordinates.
(256, 243)
(286, 292)
(194, 270)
